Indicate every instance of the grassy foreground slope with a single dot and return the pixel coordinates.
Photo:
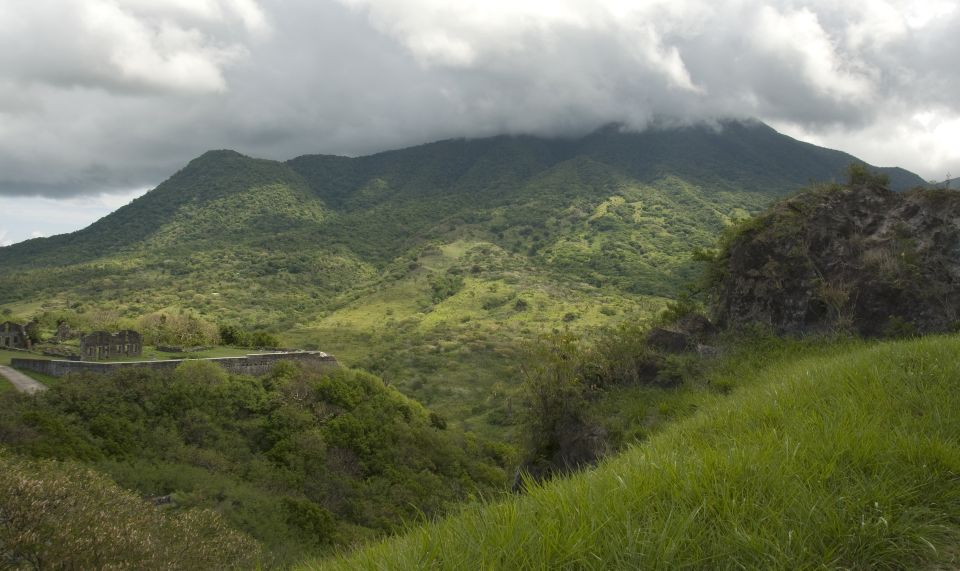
(845, 460)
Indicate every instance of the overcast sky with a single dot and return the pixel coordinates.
(101, 100)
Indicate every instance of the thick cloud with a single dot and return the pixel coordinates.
(113, 95)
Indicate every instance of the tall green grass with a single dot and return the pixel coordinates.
(849, 460)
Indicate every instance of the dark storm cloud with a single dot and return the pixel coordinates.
(102, 95)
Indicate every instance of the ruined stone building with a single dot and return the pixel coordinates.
(13, 335)
(104, 345)
(63, 332)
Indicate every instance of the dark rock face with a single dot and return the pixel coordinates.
(864, 259)
(669, 341)
(696, 325)
(684, 334)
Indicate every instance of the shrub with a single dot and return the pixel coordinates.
(239, 337)
(445, 286)
(553, 387)
(57, 515)
(675, 310)
(859, 175)
(183, 329)
(899, 327)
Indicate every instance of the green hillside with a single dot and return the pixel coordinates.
(298, 460)
(427, 265)
(380, 206)
(844, 459)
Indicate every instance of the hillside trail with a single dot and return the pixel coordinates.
(23, 383)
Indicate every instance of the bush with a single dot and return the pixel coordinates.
(445, 286)
(554, 389)
(239, 337)
(262, 339)
(183, 329)
(301, 459)
(58, 515)
(860, 175)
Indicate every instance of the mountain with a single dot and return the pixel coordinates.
(428, 265)
(371, 209)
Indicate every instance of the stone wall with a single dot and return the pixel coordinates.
(253, 364)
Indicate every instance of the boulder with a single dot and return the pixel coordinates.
(667, 340)
(696, 325)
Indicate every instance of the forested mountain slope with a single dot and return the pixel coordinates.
(414, 191)
(399, 261)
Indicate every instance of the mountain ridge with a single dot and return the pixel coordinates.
(330, 177)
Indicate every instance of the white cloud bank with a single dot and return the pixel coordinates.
(110, 95)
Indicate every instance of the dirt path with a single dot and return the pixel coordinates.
(23, 383)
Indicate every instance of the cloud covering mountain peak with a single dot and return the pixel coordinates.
(100, 95)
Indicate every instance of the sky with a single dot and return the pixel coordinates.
(101, 100)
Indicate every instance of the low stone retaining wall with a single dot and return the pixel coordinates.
(253, 364)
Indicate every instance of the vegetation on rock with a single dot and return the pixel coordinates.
(858, 258)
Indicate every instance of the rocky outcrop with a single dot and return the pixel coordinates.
(863, 259)
(686, 333)
(667, 340)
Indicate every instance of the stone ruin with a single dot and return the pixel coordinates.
(63, 332)
(13, 336)
(104, 345)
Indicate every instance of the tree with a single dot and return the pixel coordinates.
(554, 391)
(33, 331)
(859, 175)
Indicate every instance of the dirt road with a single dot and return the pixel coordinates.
(23, 383)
